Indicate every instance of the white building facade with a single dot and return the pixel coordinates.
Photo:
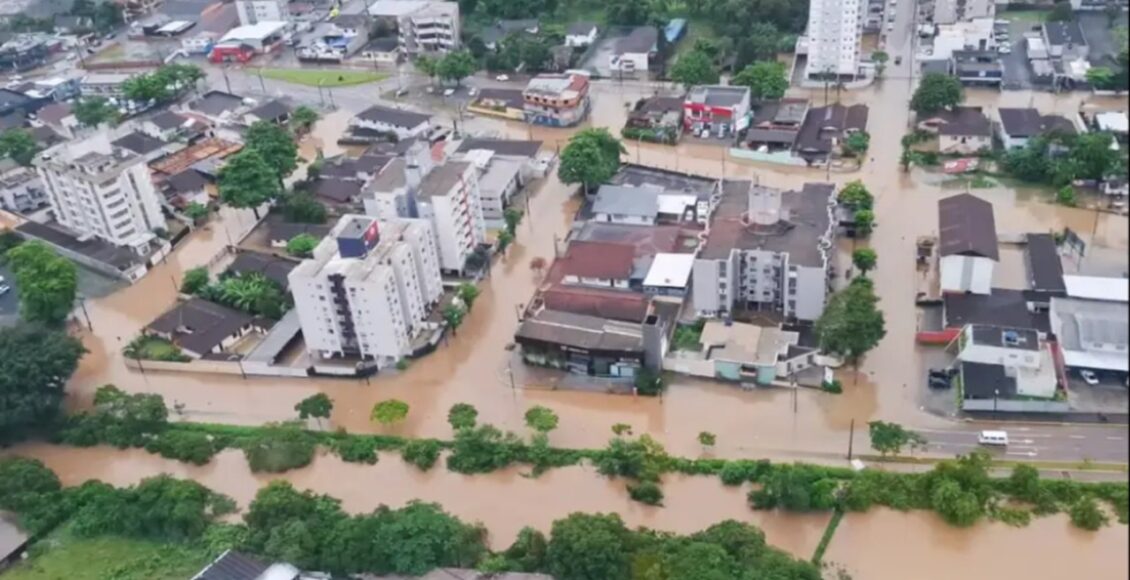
(449, 198)
(256, 11)
(834, 31)
(96, 189)
(368, 289)
(953, 11)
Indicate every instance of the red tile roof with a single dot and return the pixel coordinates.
(598, 260)
(614, 304)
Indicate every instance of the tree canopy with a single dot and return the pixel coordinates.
(856, 196)
(48, 282)
(936, 92)
(462, 416)
(19, 146)
(541, 419)
(456, 66)
(317, 405)
(767, 80)
(94, 111)
(591, 158)
(35, 364)
(276, 146)
(852, 323)
(247, 181)
(588, 547)
(389, 412)
(694, 68)
(864, 259)
(892, 438)
(302, 245)
(303, 118)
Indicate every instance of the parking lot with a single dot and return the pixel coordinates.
(1017, 74)
(1109, 396)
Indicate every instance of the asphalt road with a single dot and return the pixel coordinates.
(1034, 442)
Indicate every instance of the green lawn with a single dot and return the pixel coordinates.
(1024, 15)
(325, 78)
(155, 348)
(64, 556)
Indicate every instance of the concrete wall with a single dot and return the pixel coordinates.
(967, 274)
(1010, 406)
(950, 144)
(217, 367)
(706, 278)
(777, 157)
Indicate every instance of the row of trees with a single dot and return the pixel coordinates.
(767, 80)
(163, 84)
(453, 66)
(1059, 159)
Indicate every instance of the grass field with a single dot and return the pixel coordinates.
(325, 78)
(62, 555)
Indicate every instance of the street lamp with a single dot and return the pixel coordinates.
(996, 395)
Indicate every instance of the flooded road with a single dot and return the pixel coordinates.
(473, 366)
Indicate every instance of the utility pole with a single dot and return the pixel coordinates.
(795, 387)
(851, 438)
(262, 85)
(227, 81)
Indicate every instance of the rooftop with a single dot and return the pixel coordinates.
(966, 227)
(337, 190)
(232, 565)
(642, 39)
(620, 200)
(647, 240)
(597, 260)
(121, 258)
(745, 343)
(198, 325)
(822, 124)
(281, 230)
(580, 28)
(273, 110)
(12, 538)
(53, 113)
(1064, 33)
(258, 31)
(800, 230)
(557, 85)
(216, 103)
(962, 121)
(187, 181)
(271, 267)
(139, 143)
(1004, 307)
(582, 332)
(1045, 269)
(1091, 333)
(717, 95)
(510, 97)
(1098, 288)
(1026, 122)
(668, 181)
(1017, 338)
(986, 381)
(167, 120)
(394, 117)
(514, 147)
(442, 179)
(600, 302)
(670, 271)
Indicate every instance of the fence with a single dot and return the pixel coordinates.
(777, 157)
(1009, 406)
(217, 367)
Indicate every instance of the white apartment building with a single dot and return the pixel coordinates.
(766, 250)
(449, 198)
(256, 11)
(954, 11)
(834, 31)
(422, 25)
(368, 289)
(98, 190)
(500, 177)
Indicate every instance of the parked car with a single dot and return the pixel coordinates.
(502, 78)
(1089, 377)
(449, 92)
(1005, 49)
(939, 382)
(4, 289)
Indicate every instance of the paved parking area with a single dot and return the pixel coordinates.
(1098, 32)
(1017, 74)
(1109, 396)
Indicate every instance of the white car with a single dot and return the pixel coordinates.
(1089, 377)
(1004, 49)
(502, 78)
(449, 92)
(4, 289)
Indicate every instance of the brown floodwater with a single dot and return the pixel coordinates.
(888, 545)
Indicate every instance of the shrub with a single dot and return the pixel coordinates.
(647, 492)
(423, 453)
(648, 383)
(278, 448)
(642, 459)
(356, 449)
(1085, 513)
(483, 450)
(194, 280)
(834, 386)
(189, 446)
(462, 416)
(743, 470)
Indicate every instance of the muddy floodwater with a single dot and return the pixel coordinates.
(877, 545)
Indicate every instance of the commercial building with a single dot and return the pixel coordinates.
(977, 67)
(953, 11)
(256, 11)
(1007, 369)
(99, 190)
(766, 250)
(449, 198)
(500, 178)
(834, 31)
(745, 353)
(716, 110)
(967, 239)
(1092, 324)
(423, 25)
(104, 84)
(591, 345)
(336, 39)
(557, 100)
(368, 290)
(1065, 40)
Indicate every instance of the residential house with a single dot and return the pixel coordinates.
(399, 122)
(967, 240)
(199, 327)
(597, 265)
(423, 26)
(977, 67)
(274, 111)
(218, 106)
(964, 130)
(166, 125)
(273, 268)
(749, 354)
(776, 125)
(633, 53)
(581, 34)
(1018, 126)
(23, 52)
(147, 147)
(716, 110)
(1006, 369)
(1045, 268)
(382, 51)
(104, 84)
(767, 250)
(1065, 40)
(21, 190)
(656, 119)
(826, 128)
(627, 205)
(188, 186)
(60, 119)
(557, 100)
(232, 565)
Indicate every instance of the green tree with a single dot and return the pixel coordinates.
(851, 323)
(48, 282)
(700, 561)
(1085, 513)
(196, 211)
(247, 181)
(389, 412)
(864, 222)
(628, 12)
(891, 438)
(1101, 77)
(864, 260)
(646, 492)
(453, 315)
(427, 65)
(856, 196)
(767, 80)
(541, 419)
(857, 143)
(462, 416)
(707, 439)
(35, 364)
(303, 118)
(19, 146)
(936, 92)
(276, 146)
(588, 547)
(880, 59)
(505, 238)
(591, 158)
(648, 383)
(456, 66)
(513, 217)
(302, 245)
(252, 293)
(1061, 12)
(527, 553)
(276, 448)
(94, 111)
(423, 453)
(303, 208)
(1066, 196)
(694, 68)
(467, 292)
(483, 449)
(621, 429)
(1094, 155)
(318, 406)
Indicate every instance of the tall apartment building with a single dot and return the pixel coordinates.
(256, 11)
(954, 11)
(368, 289)
(449, 198)
(767, 250)
(99, 190)
(834, 31)
(422, 25)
